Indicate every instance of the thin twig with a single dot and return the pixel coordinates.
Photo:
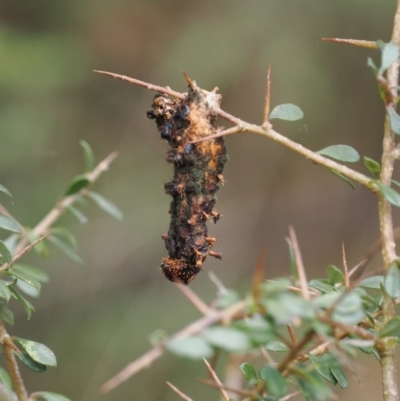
(216, 378)
(292, 335)
(149, 357)
(267, 104)
(211, 383)
(345, 269)
(29, 247)
(156, 88)
(217, 282)
(179, 392)
(361, 43)
(43, 226)
(258, 276)
(289, 396)
(299, 264)
(266, 131)
(198, 303)
(234, 130)
(293, 355)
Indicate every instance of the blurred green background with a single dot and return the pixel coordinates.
(98, 319)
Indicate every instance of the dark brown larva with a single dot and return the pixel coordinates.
(197, 177)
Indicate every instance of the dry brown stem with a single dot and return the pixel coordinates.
(194, 328)
(179, 392)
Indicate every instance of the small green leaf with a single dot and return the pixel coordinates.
(249, 372)
(227, 299)
(106, 205)
(88, 154)
(256, 328)
(349, 309)
(397, 183)
(342, 153)
(5, 254)
(370, 63)
(274, 381)
(38, 352)
(28, 289)
(390, 54)
(322, 286)
(285, 307)
(372, 165)
(31, 364)
(343, 178)
(313, 387)
(4, 291)
(5, 191)
(288, 112)
(6, 313)
(394, 119)
(25, 304)
(390, 194)
(276, 346)
(66, 236)
(322, 367)
(46, 396)
(31, 271)
(70, 252)
(391, 328)
(21, 276)
(339, 376)
(40, 247)
(190, 347)
(335, 275)
(392, 281)
(374, 282)
(292, 259)
(78, 214)
(6, 223)
(227, 338)
(77, 183)
(5, 379)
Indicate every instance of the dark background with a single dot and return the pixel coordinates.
(98, 319)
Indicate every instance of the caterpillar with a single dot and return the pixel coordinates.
(197, 177)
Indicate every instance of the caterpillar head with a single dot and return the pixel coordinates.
(179, 271)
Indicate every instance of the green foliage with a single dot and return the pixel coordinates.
(38, 352)
(6, 223)
(191, 347)
(106, 205)
(249, 372)
(89, 156)
(390, 194)
(46, 396)
(288, 112)
(372, 165)
(343, 153)
(77, 184)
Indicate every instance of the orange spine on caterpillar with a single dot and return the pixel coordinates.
(197, 177)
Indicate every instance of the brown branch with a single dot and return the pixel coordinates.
(299, 265)
(212, 383)
(179, 392)
(12, 366)
(43, 226)
(267, 104)
(387, 350)
(216, 379)
(266, 131)
(149, 357)
(355, 42)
